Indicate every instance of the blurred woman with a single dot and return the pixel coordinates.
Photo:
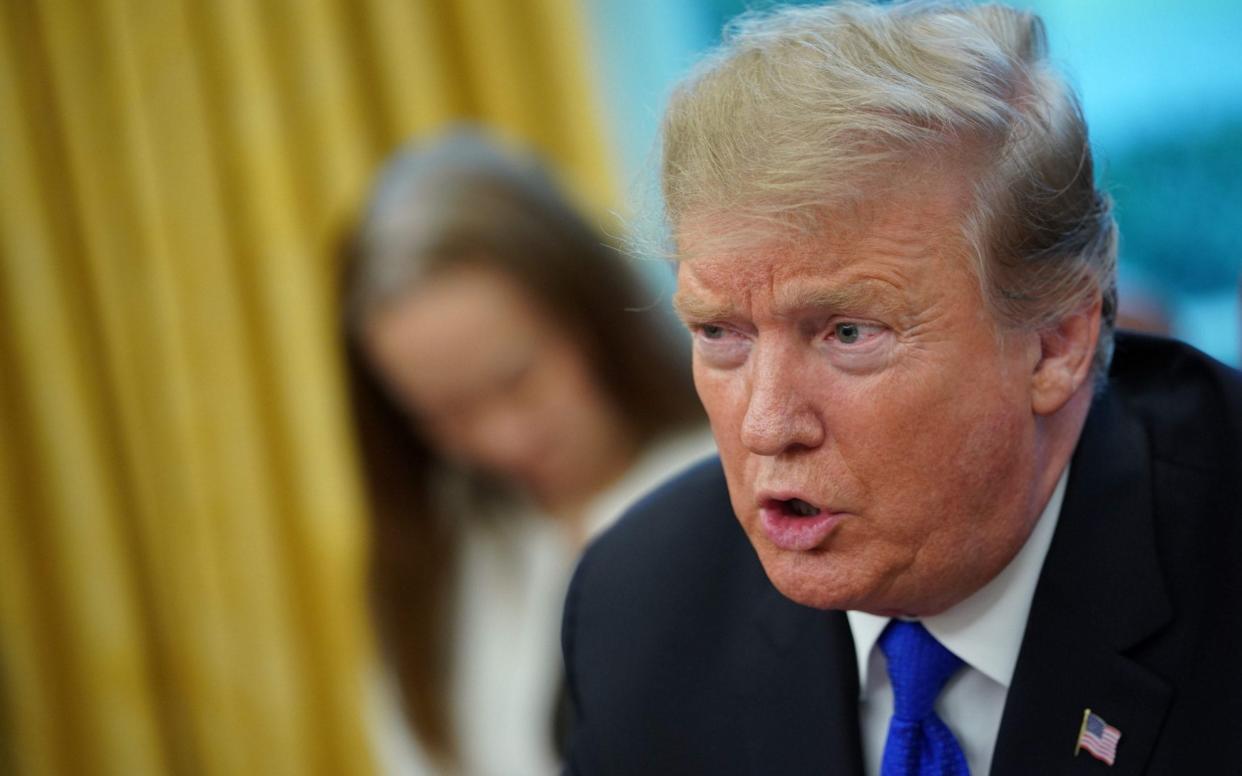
(513, 390)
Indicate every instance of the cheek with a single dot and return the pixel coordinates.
(723, 397)
(993, 448)
(917, 439)
(948, 474)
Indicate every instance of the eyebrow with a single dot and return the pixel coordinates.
(874, 297)
(696, 309)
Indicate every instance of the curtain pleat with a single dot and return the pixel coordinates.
(181, 532)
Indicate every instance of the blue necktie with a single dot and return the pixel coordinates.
(919, 743)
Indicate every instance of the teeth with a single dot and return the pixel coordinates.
(801, 508)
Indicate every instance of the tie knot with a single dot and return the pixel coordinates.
(918, 666)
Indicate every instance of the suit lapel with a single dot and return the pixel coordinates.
(1100, 594)
(800, 690)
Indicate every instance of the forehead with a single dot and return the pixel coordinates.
(455, 332)
(881, 247)
(462, 301)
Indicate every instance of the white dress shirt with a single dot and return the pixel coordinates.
(512, 575)
(985, 631)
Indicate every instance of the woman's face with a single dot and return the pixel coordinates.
(492, 382)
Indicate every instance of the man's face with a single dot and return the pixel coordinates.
(876, 429)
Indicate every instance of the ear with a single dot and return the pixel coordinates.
(1067, 350)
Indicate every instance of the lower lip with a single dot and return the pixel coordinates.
(797, 533)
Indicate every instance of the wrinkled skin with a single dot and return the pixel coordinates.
(860, 371)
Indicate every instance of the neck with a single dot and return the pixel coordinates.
(1056, 439)
(571, 507)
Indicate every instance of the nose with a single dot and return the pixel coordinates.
(780, 413)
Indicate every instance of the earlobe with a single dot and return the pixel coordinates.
(1067, 351)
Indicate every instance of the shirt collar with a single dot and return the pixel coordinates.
(985, 630)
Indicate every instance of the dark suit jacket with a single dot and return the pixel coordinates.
(683, 659)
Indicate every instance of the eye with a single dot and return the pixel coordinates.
(855, 337)
(720, 345)
(847, 332)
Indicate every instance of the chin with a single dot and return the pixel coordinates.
(811, 578)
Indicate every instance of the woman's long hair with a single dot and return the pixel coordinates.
(463, 201)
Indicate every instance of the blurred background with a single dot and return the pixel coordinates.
(182, 547)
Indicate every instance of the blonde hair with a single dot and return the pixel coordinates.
(802, 110)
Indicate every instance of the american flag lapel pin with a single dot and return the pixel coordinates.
(1098, 737)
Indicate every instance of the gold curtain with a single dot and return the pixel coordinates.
(181, 544)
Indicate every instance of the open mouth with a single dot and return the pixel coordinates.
(795, 524)
(795, 507)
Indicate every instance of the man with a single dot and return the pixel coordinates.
(943, 536)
